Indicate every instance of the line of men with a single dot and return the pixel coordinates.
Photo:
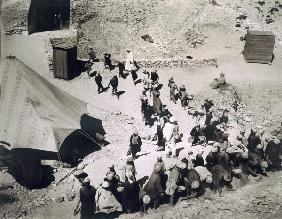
(125, 68)
(188, 178)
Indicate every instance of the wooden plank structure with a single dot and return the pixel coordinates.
(259, 46)
(64, 60)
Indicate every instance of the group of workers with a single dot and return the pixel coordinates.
(190, 176)
(125, 68)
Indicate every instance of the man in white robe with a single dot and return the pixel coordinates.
(129, 62)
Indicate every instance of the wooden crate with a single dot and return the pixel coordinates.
(259, 46)
(64, 61)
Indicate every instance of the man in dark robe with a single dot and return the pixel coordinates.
(154, 77)
(130, 196)
(153, 187)
(98, 80)
(221, 177)
(212, 158)
(114, 84)
(193, 185)
(121, 69)
(135, 144)
(273, 154)
(198, 161)
(157, 103)
(107, 61)
(197, 134)
(183, 96)
(253, 140)
(160, 138)
(86, 202)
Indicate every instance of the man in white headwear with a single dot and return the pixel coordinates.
(129, 62)
(168, 129)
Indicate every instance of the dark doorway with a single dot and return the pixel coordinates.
(48, 15)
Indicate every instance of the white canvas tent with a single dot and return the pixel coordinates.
(32, 109)
(38, 121)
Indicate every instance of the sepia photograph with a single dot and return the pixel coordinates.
(154, 109)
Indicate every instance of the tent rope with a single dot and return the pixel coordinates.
(93, 140)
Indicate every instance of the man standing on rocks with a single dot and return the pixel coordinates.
(86, 201)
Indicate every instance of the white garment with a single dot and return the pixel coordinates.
(203, 172)
(168, 131)
(170, 141)
(129, 62)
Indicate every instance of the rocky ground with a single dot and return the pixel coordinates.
(158, 31)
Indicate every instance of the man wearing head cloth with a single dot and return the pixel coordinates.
(168, 129)
(253, 140)
(134, 144)
(129, 62)
(86, 201)
(175, 178)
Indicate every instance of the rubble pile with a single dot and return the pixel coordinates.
(166, 29)
(178, 63)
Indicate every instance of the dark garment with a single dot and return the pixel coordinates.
(254, 159)
(114, 84)
(153, 187)
(199, 161)
(131, 196)
(157, 104)
(218, 172)
(135, 145)
(121, 69)
(207, 105)
(160, 136)
(172, 93)
(209, 131)
(184, 97)
(273, 153)
(114, 183)
(225, 161)
(208, 117)
(212, 159)
(154, 76)
(87, 199)
(192, 175)
(218, 135)
(107, 61)
(98, 80)
(134, 75)
(253, 141)
(196, 133)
